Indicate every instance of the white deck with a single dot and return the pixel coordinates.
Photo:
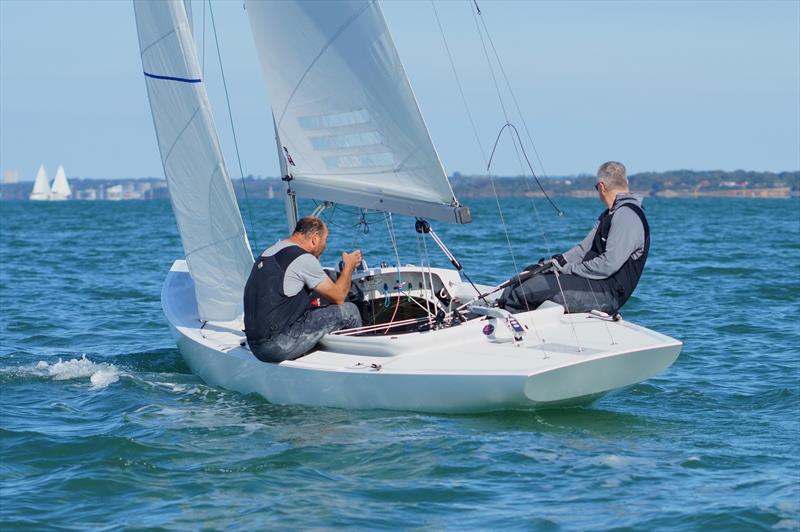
(449, 370)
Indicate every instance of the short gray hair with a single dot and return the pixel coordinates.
(613, 175)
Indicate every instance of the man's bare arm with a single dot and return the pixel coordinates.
(336, 292)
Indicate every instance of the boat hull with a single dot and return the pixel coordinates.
(454, 370)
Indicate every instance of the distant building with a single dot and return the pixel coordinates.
(158, 191)
(86, 194)
(114, 193)
(11, 177)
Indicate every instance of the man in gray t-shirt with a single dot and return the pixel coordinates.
(281, 323)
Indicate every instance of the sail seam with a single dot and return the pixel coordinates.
(240, 234)
(183, 130)
(146, 48)
(322, 51)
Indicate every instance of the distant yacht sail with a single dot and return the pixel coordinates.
(61, 189)
(41, 187)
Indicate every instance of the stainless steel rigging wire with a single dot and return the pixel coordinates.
(233, 129)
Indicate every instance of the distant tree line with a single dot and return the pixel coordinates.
(466, 186)
(679, 181)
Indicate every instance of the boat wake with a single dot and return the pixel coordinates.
(100, 375)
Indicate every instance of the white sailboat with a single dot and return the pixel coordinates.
(41, 187)
(349, 131)
(60, 190)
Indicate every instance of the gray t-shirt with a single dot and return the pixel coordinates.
(305, 270)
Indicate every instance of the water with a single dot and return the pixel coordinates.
(102, 424)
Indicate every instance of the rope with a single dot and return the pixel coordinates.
(524, 125)
(511, 91)
(496, 84)
(485, 160)
(566, 307)
(596, 302)
(477, 137)
(458, 83)
(516, 132)
(430, 279)
(233, 129)
(393, 239)
(423, 255)
(394, 314)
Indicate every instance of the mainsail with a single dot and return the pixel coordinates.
(213, 235)
(61, 189)
(41, 187)
(346, 116)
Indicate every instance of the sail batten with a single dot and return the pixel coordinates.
(214, 240)
(345, 111)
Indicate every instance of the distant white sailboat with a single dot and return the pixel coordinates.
(61, 190)
(349, 131)
(41, 187)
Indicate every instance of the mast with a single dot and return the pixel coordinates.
(289, 197)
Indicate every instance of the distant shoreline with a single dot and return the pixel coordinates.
(673, 184)
(775, 192)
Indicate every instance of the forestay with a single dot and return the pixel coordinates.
(345, 111)
(213, 235)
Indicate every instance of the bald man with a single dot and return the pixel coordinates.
(279, 320)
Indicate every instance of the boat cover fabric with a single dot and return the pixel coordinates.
(214, 240)
(344, 110)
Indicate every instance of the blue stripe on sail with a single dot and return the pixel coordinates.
(171, 78)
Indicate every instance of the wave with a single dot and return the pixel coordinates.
(99, 374)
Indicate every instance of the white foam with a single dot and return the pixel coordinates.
(104, 377)
(100, 375)
(614, 461)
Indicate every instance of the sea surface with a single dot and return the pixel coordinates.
(103, 426)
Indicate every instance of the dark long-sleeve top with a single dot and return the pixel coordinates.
(625, 240)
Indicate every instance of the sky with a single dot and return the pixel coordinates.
(657, 85)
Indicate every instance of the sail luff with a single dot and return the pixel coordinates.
(212, 233)
(187, 5)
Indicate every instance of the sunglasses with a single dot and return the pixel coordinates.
(597, 186)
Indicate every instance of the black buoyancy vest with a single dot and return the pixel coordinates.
(625, 279)
(267, 309)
